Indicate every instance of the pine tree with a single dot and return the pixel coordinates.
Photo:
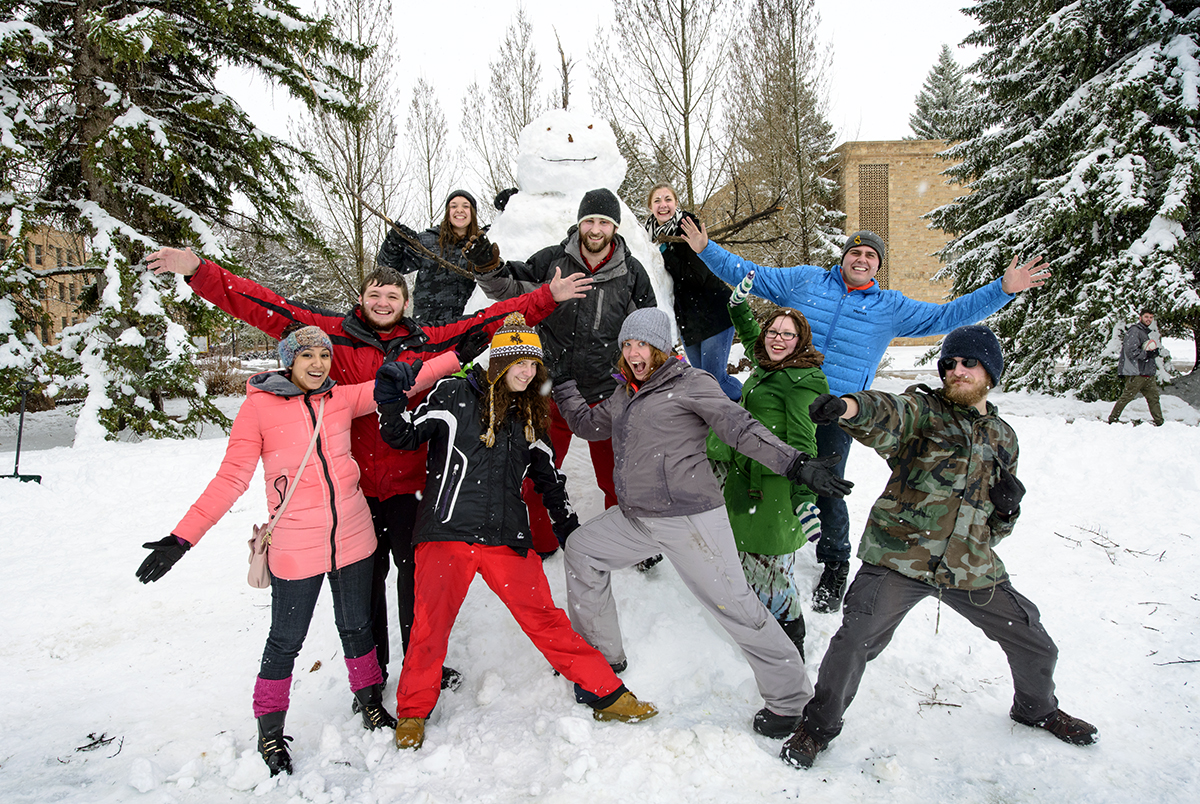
(22, 355)
(944, 104)
(1090, 156)
(118, 132)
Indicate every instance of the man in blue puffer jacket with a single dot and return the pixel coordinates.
(853, 320)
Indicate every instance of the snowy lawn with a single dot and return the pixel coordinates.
(156, 680)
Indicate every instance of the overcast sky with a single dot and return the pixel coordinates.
(882, 52)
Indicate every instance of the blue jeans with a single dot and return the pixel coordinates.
(712, 355)
(834, 545)
(292, 604)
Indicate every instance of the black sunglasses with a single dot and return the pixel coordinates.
(948, 364)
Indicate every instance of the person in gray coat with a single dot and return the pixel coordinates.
(1138, 365)
(669, 503)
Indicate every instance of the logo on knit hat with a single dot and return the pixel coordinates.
(515, 340)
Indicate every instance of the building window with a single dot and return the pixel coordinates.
(42, 291)
(873, 209)
(37, 255)
(64, 322)
(58, 256)
(62, 291)
(72, 291)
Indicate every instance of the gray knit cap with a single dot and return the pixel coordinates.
(600, 203)
(864, 237)
(648, 324)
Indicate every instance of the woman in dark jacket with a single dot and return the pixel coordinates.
(439, 294)
(700, 298)
(486, 433)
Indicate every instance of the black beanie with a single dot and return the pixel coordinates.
(864, 237)
(464, 194)
(975, 341)
(600, 204)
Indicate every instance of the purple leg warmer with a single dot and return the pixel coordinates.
(271, 695)
(364, 671)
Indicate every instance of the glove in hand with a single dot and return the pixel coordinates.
(563, 530)
(742, 291)
(810, 522)
(1006, 493)
(393, 380)
(501, 199)
(164, 553)
(483, 254)
(398, 237)
(817, 474)
(471, 345)
(826, 409)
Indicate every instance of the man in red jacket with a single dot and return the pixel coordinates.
(375, 332)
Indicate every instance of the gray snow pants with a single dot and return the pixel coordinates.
(702, 550)
(878, 601)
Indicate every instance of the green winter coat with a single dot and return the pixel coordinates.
(761, 504)
(935, 521)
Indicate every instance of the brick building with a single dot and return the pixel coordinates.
(56, 258)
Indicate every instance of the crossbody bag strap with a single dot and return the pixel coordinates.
(303, 463)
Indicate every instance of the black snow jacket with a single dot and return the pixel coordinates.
(701, 299)
(440, 294)
(580, 337)
(473, 492)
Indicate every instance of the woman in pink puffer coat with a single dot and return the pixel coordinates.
(326, 529)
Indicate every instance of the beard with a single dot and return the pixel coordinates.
(597, 249)
(965, 392)
(382, 324)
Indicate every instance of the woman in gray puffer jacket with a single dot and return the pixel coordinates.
(670, 504)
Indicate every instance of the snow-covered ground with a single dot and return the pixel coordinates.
(114, 691)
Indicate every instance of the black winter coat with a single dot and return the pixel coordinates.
(580, 337)
(701, 299)
(473, 492)
(440, 294)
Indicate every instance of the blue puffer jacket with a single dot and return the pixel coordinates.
(853, 328)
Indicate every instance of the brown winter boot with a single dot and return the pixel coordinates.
(410, 732)
(627, 709)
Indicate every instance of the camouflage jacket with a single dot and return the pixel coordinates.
(935, 521)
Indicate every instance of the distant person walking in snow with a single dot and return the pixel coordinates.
(486, 433)
(771, 516)
(853, 320)
(1140, 350)
(325, 531)
(952, 496)
(701, 311)
(439, 294)
(670, 504)
(580, 336)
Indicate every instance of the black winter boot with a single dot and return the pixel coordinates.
(645, 565)
(795, 631)
(272, 745)
(370, 704)
(769, 724)
(827, 597)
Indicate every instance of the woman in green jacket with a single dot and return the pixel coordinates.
(772, 518)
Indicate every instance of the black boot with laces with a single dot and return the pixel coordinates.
(272, 743)
(370, 704)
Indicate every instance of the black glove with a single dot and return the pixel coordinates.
(826, 409)
(564, 529)
(501, 200)
(164, 553)
(483, 254)
(1151, 353)
(817, 474)
(1006, 493)
(393, 380)
(471, 345)
(398, 237)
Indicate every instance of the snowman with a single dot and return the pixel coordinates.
(561, 155)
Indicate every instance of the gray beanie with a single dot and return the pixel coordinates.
(648, 324)
(863, 237)
(975, 341)
(600, 203)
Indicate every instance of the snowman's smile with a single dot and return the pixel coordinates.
(585, 159)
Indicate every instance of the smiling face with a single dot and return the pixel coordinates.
(311, 367)
(781, 337)
(459, 214)
(1147, 319)
(383, 306)
(637, 356)
(520, 374)
(663, 204)
(859, 266)
(596, 234)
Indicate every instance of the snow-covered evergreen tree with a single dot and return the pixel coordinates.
(944, 104)
(120, 133)
(1090, 156)
(22, 355)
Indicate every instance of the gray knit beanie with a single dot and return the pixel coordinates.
(648, 324)
(863, 237)
(600, 203)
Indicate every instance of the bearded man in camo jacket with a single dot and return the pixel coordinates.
(952, 496)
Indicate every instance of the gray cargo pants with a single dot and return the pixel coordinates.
(875, 605)
(702, 550)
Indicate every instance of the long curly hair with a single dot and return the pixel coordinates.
(531, 405)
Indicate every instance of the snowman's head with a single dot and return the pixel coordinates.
(569, 153)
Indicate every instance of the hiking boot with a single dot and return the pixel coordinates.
(801, 749)
(795, 631)
(769, 724)
(410, 732)
(370, 704)
(272, 745)
(627, 709)
(827, 597)
(1066, 728)
(451, 679)
(648, 564)
(620, 667)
